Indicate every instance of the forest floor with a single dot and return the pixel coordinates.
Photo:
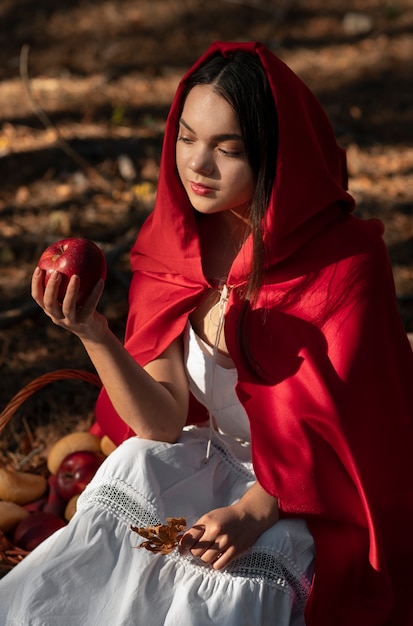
(85, 88)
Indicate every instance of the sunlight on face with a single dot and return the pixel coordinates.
(210, 154)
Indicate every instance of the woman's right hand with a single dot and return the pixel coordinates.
(153, 400)
(86, 322)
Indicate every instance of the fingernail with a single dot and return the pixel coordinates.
(37, 272)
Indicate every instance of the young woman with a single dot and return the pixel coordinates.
(266, 374)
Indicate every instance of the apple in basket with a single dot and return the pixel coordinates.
(74, 255)
(76, 471)
(35, 528)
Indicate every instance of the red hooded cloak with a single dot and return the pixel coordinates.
(325, 370)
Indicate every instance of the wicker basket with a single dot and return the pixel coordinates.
(10, 554)
(40, 382)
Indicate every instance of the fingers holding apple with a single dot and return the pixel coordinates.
(71, 257)
(47, 298)
(38, 287)
(69, 308)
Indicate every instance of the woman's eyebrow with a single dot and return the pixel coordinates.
(220, 137)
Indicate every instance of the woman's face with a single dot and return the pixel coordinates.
(210, 155)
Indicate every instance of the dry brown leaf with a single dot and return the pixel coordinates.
(10, 554)
(162, 538)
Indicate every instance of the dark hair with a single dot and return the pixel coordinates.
(241, 80)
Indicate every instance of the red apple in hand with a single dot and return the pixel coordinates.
(70, 256)
(76, 471)
(36, 528)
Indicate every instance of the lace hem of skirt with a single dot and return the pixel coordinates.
(262, 565)
(121, 500)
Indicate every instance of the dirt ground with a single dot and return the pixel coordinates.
(84, 92)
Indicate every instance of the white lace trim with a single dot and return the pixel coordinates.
(274, 569)
(127, 503)
(121, 500)
(260, 564)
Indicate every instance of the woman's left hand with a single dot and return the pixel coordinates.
(223, 534)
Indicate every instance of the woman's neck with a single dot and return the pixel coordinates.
(222, 236)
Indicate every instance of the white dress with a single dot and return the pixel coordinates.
(90, 574)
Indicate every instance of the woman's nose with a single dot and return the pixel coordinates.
(201, 161)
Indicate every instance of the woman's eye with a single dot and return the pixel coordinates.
(231, 153)
(184, 139)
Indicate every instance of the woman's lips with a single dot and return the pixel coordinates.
(200, 190)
